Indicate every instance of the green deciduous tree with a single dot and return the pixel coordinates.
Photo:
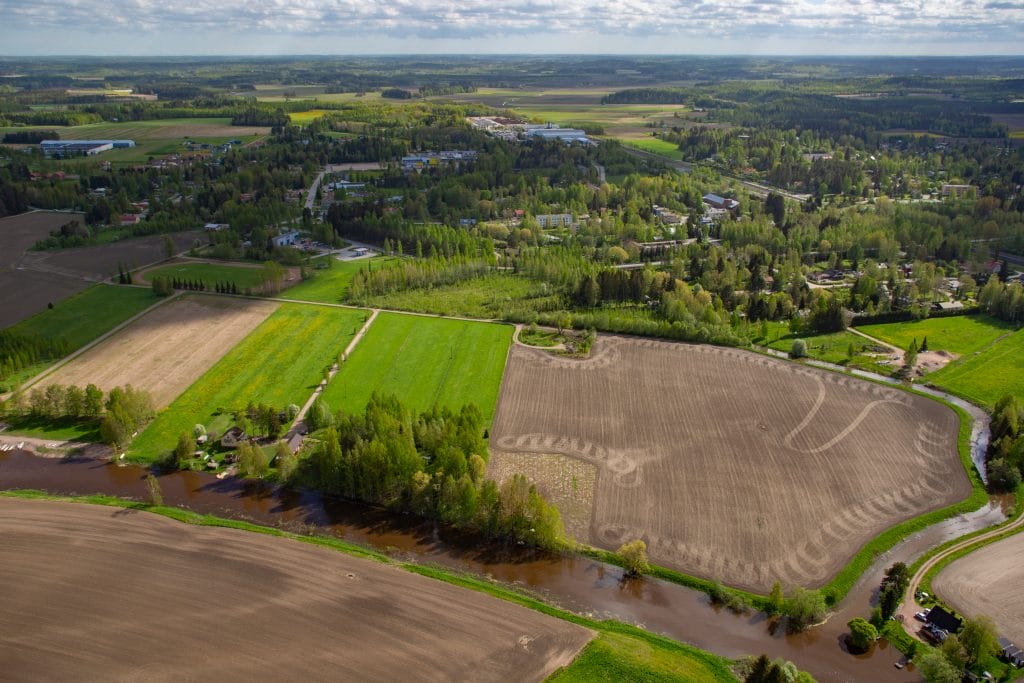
(634, 554)
(979, 638)
(862, 634)
(805, 608)
(935, 668)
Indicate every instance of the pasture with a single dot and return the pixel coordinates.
(166, 350)
(961, 334)
(354, 617)
(987, 375)
(82, 318)
(987, 581)
(424, 361)
(278, 363)
(730, 465)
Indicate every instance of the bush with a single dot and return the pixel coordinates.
(862, 634)
(805, 608)
(799, 349)
(634, 554)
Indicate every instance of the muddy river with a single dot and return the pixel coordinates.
(578, 584)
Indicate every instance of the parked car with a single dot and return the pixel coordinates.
(921, 616)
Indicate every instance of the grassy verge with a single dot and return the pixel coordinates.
(81, 319)
(278, 363)
(426, 362)
(620, 651)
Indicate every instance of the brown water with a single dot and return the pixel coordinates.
(578, 584)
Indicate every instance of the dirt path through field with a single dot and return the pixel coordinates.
(99, 593)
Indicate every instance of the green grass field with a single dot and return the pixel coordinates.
(959, 334)
(487, 296)
(620, 657)
(65, 429)
(301, 118)
(832, 348)
(279, 363)
(329, 285)
(986, 376)
(82, 318)
(424, 361)
(656, 146)
(210, 273)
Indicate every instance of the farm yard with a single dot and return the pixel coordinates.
(82, 318)
(278, 363)
(426, 361)
(59, 558)
(730, 465)
(987, 581)
(166, 350)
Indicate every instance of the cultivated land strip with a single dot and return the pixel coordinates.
(359, 620)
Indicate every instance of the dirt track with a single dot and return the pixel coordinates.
(96, 593)
(730, 465)
(167, 349)
(988, 581)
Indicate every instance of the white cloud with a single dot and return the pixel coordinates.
(847, 26)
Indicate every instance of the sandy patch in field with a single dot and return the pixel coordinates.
(167, 349)
(988, 581)
(97, 593)
(566, 482)
(930, 361)
(729, 464)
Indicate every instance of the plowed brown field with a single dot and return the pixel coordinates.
(730, 465)
(96, 593)
(988, 581)
(167, 349)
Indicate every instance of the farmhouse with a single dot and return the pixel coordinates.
(940, 618)
(232, 438)
(285, 238)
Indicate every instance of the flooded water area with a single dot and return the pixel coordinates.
(575, 583)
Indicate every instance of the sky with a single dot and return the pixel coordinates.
(351, 27)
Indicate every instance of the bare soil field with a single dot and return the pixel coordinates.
(97, 593)
(101, 262)
(729, 464)
(18, 233)
(167, 349)
(988, 581)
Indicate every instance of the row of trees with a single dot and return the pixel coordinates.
(432, 465)
(20, 350)
(1006, 444)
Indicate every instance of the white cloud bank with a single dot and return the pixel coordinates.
(376, 26)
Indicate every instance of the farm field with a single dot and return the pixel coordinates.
(695, 446)
(278, 363)
(987, 581)
(59, 557)
(988, 376)
(166, 350)
(24, 293)
(210, 273)
(959, 334)
(161, 136)
(425, 361)
(330, 285)
(82, 318)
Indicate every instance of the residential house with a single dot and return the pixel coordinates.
(232, 438)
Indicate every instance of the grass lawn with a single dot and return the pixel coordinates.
(621, 657)
(82, 318)
(279, 363)
(424, 361)
(986, 376)
(301, 118)
(488, 296)
(656, 146)
(959, 334)
(330, 285)
(211, 274)
(65, 429)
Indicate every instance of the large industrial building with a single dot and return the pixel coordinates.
(68, 148)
